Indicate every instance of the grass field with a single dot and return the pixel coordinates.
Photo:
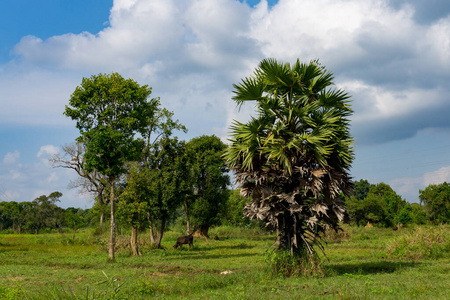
(372, 263)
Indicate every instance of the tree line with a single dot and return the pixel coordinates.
(44, 215)
(379, 204)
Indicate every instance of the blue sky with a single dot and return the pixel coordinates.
(392, 56)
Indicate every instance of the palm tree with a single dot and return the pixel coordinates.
(293, 158)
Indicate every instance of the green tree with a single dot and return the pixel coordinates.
(436, 201)
(167, 167)
(110, 111)
(391, 205)
(293, 158)
(74, 220)
(134, 201)
(418, 214)
(361, 189)
(44, 213)
(209, 183)
(235, 209)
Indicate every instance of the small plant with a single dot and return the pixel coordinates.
(282, 264)
(111, 284)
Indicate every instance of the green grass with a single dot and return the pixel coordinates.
(370, 263)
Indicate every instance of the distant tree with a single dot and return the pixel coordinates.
(294, 157)
(436, 201)
(209, 183)
(361, 189)
(356, 209)
(44, 213)
(74, 220)
(110, 111)
(418, 214)
(381, 205)
(235, 209)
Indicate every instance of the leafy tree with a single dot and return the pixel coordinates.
(418, 214)
(235, 209)
(356, 209)
(293, 158)
(167, 168)
(74, 219)
(110, 111)
(209, 182)
(436, 201)
(44, 213)
(391, 203)
(135, 200)
(380, 205)
(361, 189)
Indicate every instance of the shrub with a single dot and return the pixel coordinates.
(422, 242)
(281, 264)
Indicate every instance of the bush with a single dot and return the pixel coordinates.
(281, 264)
(422, 242)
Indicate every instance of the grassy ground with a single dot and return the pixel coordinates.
(371, 263)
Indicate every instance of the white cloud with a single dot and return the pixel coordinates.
(438, 176)
(46, 152)
(11, 157)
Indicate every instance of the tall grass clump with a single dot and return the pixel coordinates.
(422, 242)
(282, 264)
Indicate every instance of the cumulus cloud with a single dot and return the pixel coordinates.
(11, 157)
(438, 176)
(46, 152)
(192, 51)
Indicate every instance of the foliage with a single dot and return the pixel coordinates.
(293, 158)
(235, 210)
(110, 111)
(209, 180)
(436, 201)
(361, 189)
(382, 206)
(167, 166)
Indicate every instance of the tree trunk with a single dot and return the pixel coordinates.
(133, 242)
(100, 201)
(161, 231)
(203, 230)
(112, 240)
(188, 224)
(152, 229)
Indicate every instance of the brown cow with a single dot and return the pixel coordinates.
(188, 239)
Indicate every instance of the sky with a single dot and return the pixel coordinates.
(391, 56)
